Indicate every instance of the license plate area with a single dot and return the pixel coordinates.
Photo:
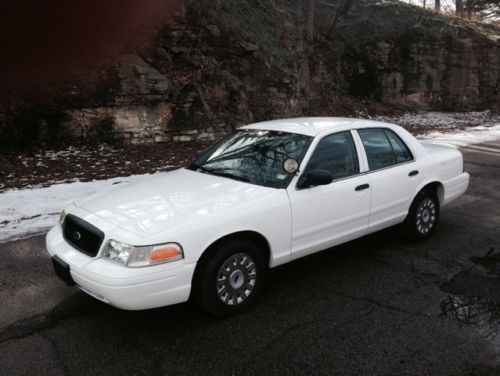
(62, 270)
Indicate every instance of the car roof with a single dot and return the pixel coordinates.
(312, 126)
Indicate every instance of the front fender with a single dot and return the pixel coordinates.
(271, 218)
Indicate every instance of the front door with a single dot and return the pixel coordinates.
(326, 215)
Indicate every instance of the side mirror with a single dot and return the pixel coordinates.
(314, 178)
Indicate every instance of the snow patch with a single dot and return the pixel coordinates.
(468, 136)
(26, 212)
(443, 120)
(450, 128)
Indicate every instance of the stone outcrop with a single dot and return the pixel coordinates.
(456, 74)
(138, 105)
(214, 70)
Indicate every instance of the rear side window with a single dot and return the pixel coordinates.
(337, 154)
(401, 151)
(383, 148)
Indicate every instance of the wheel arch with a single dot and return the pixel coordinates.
(254, 236)
(435, 187)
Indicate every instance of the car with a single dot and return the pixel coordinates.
(266, 194)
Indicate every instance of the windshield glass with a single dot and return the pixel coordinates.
(254, 156)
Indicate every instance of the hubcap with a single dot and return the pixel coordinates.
(426, 215)
(236, 279)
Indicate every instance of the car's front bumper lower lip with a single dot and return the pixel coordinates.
(125, 288)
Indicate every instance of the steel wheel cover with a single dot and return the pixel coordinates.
(236, 279)
(426, 216)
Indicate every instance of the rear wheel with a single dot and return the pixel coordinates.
(422, 217)
(230, 280)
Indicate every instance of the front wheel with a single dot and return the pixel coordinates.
(231, 279)
(423, 217)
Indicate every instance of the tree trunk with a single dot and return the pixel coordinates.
(469, 5)
(437, 5)
(311, 10)
(342, 9)
(459, 6)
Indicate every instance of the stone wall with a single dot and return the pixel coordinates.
(208, 73)
(458, 75)
(132, 123)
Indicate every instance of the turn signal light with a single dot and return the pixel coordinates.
(166, 253)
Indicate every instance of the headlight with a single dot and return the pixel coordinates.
(134, 257)
(61, 217)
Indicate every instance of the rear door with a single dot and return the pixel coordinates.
(393, 176)
(326, 215)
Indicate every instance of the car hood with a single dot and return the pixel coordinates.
(170, 199)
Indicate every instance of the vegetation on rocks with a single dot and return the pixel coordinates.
(222, 63)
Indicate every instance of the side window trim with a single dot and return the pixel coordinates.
(368, 171)
(362, 157)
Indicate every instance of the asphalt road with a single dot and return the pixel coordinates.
(378, 305)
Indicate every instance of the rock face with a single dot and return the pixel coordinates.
(225, 65)
(138, 106)
(458, 74)
(405, 56)
(140, 79)
(140, 123)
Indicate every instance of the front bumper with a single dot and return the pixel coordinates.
(119, 286)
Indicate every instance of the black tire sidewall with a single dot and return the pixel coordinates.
(410, 224)
(205, 293)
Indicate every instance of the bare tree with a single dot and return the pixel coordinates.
(437, 5)
(483, 9)
(469, 5)
(311, 10)
(342, 8)
(459, 8)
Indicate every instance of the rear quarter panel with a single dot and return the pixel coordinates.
(444, 164)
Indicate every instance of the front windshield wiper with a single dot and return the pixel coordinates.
(195, 166)
(231, 176)
(218, 172)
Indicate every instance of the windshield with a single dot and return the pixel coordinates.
(254, 156)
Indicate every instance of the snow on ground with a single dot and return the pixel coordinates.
(450, 128)
(443, 120)
(25, 212)
(468, 136)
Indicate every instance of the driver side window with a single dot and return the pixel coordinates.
(336, 153)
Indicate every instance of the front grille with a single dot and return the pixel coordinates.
(82, 235)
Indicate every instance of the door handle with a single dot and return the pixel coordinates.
(413, 173)
(362, 187)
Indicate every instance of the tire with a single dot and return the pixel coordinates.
(230, 279)
(422, 217)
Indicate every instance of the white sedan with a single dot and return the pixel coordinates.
(266, 194)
